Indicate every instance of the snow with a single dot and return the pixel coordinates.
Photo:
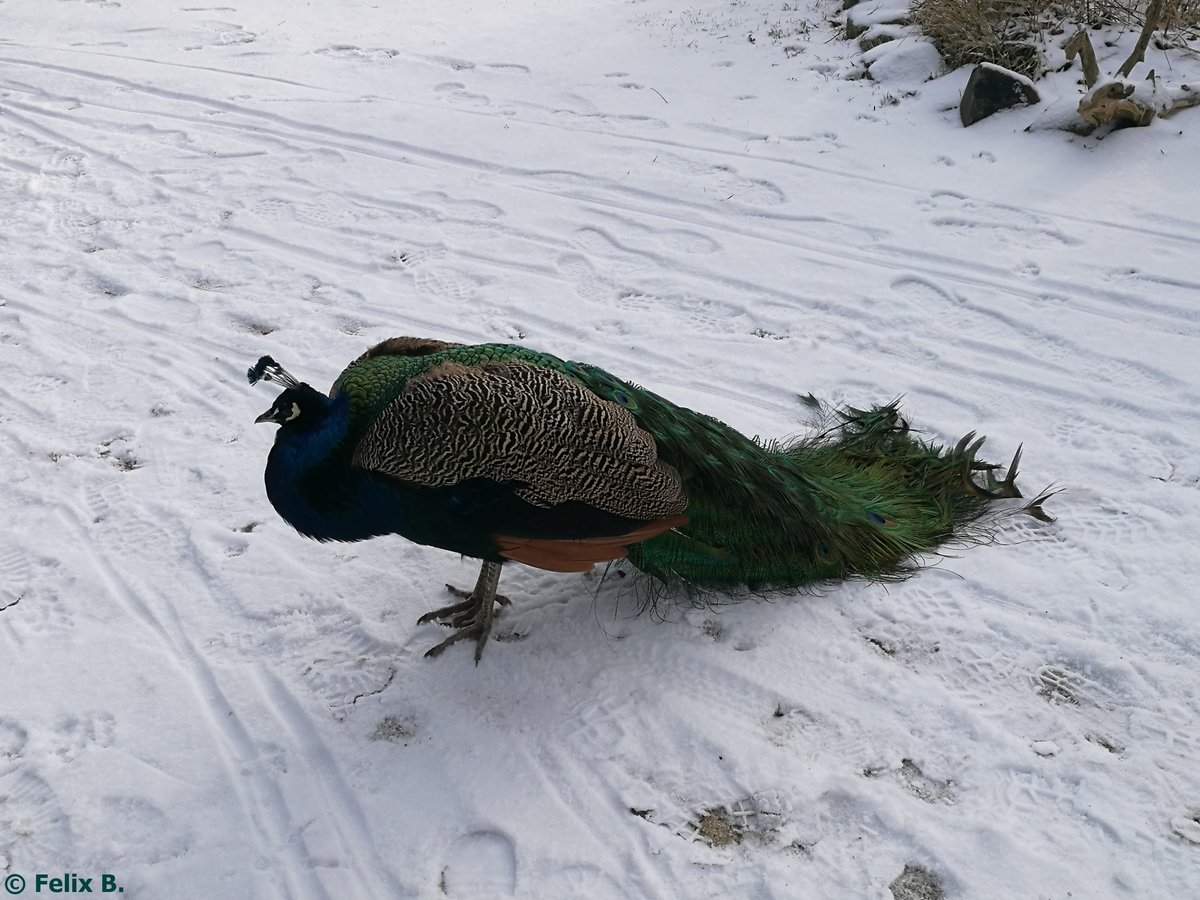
(203, 703)
(903, 63)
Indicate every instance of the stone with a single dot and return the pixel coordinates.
(992, 88)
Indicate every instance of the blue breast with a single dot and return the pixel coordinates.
(311, 484)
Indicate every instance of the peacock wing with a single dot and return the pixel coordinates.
(387, 359)
(515, 422)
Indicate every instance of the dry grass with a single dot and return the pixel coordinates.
(974, 31)
(1007, 32)
(1178, 15)
(1181, 22)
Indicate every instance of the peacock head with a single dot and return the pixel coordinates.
(298, 407)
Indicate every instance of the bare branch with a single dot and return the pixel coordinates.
(1081, 44)
(1185, 99)
(1154, 11)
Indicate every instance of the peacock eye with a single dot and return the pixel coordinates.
(621, 398)
(294, 413)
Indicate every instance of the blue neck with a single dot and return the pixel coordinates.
(311, 484)
(314, 487)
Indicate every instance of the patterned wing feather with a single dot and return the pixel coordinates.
(517, 422)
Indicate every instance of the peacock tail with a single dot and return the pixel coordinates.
(862, 497)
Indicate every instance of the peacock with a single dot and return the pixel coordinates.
(506, 454)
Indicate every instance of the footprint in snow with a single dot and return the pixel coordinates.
(480, 864)
(13, 738)
(75, 734)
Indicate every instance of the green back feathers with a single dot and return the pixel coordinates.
(380, 375)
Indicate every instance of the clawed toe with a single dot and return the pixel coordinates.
(462, 634)
(447, 612)
(475, 622)
(471, 618)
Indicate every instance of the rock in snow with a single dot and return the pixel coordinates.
(992, 88)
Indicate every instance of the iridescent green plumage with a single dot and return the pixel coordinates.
(504, 453)
(861, 498)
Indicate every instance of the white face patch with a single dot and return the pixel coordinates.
(295, 412)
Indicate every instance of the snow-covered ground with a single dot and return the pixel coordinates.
(197, 700)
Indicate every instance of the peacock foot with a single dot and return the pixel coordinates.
(473, 616)
(466, 595)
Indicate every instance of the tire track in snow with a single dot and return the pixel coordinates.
(354, 832)
(262, 798)
(1034, 382)
(153, 368)
(1167, 316)
(259, 798)
(124, 531)
(1106, 368)
(888, 258)
(986, 207)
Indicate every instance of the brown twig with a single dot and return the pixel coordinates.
(1080, 44)
(1154, 11)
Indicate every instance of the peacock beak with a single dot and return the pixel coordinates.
(268, 416)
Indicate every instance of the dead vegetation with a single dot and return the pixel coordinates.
(1016, 34)
(1009, 33)
(916, 883)
(967, 32)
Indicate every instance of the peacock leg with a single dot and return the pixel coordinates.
(473, 617)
